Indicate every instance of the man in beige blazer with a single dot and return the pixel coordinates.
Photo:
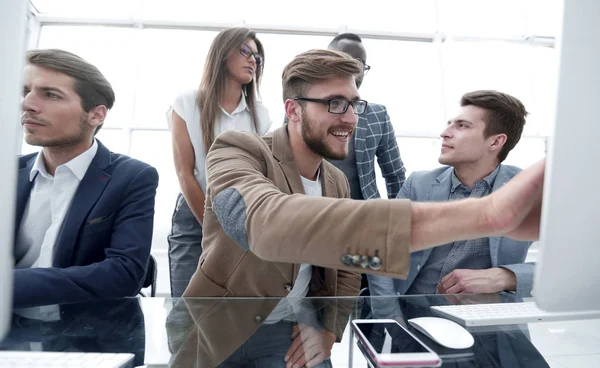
(229, 269)
(260, 230)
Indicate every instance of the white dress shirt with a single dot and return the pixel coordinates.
(240, 119)
(49, 202)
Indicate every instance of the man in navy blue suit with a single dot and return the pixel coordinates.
(84, 216)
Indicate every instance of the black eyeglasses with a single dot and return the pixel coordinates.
(247, 52)
(338, 105)
(366, 67)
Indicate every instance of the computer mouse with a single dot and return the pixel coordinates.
(443, 331)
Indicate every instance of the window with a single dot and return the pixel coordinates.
(405, 77)
(168, 63)
(116, 140)
(112, 51)
(154, 148)
(419, 82)
(279, 51)
(516, 69)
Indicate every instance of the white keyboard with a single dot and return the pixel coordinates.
(71, 359)
(505, 314)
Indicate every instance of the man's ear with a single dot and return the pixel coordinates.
(96, 116)
(292, 110)
(498, 142)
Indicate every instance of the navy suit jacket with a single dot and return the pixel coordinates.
(426, 186)
(104, 244)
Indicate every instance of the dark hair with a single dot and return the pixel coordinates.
(88, 82)
(345, 36)
(314, 66)
(212, 86)
(505, 114)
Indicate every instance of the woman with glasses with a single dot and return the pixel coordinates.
(226, 99)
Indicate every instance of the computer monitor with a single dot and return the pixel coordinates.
(12, 48)
(568, 267)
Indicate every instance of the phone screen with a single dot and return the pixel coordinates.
(390, 338)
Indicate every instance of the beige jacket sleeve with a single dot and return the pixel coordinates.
(295, 228)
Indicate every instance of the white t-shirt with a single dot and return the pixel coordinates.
(240, 119)
(291, 306)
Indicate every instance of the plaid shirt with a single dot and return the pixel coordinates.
(374, 136)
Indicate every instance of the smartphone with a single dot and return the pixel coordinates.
(390, 345)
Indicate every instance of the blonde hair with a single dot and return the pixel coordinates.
(315, 66)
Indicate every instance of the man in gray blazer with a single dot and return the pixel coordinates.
(475, 142)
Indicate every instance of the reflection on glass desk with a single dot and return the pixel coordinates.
(204, 332)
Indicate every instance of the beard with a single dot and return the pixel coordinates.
(317, 143)
(68, 140)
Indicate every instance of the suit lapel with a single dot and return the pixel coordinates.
(425, 256)
(292, 177)
(441, 190)
(282, 151)
(24, 186)
(295, 183)
(439, 193)
(285, 157)
(88, 192)
(417, 260)
(328, 184)
(329, 188)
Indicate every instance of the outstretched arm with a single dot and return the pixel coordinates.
(512, 211)
(326, 231)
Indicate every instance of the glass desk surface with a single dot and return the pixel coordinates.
(204, 332)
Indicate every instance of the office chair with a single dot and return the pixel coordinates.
(150, 280)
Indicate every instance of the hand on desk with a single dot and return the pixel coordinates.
(490, 280)
(310, 346)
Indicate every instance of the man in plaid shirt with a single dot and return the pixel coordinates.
(373, 136)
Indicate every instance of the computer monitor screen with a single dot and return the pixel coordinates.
(12, 48)
(568, 266)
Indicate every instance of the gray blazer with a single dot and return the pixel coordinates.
(435, 185)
